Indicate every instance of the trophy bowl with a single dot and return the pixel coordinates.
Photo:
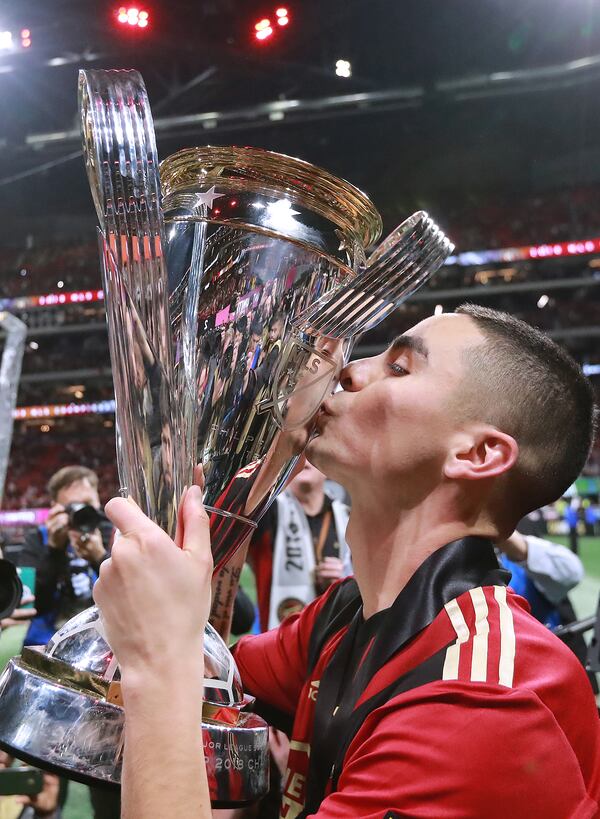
(204, 271)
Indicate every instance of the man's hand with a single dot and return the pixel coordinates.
(57, 525)
(46, 801)
(20, 616)
(154, 598)
(327, 572)
(279, 745)
(154, 601)
(88, 546)
(514, 547)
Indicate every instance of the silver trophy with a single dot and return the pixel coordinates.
(208, 271)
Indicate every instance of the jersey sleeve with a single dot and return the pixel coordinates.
(273, 665)
(461, 754)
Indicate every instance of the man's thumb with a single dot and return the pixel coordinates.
(196, 531)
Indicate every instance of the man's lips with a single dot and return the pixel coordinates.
(323, 415)
(326, 408)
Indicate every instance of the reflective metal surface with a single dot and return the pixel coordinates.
(399, 267)
(81, 645)
(251, 366)
(69, 729)
(200, 308)
(201, 292)
(255, 237)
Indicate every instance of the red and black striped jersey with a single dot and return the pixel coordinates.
(480, 712)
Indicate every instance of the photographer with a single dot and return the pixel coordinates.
(67, 551)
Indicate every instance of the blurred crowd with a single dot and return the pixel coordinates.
(476, 225)
(516, 221)
(37, 269)
(36, 455)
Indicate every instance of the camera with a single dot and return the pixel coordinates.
(84, 518)
(11, 588)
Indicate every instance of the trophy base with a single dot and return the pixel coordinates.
(79, 735)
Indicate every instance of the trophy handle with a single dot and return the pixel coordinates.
(122, 167)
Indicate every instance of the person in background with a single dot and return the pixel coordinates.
(66, 560)
(542, 572)
(299, 548)
(590, 517)
(572, 519)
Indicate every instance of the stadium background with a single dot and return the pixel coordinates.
(483, 112)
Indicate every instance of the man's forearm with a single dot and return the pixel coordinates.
(164, 773)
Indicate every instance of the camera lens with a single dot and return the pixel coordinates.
(83, 517)
(11, 588)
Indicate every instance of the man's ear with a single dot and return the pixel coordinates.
(485, 452)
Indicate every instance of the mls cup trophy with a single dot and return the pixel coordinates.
(219, 277)
(204, 271)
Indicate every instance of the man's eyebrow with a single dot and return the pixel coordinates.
(407, 342)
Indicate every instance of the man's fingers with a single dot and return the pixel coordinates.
(179, 527)
(199, 477)
(55, 510)
(127, 517)
(196, 531)
(23, 614)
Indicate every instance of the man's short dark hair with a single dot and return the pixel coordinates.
(67, 476)
(278, 317)
(529, 387)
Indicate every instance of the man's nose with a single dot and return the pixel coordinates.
(355, 375)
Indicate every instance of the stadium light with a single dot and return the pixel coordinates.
(343, 68)
(133, 16)
(263, 29)
(9, 40)
(282, 15)
(6, 41)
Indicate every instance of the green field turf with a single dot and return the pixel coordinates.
(589, 552)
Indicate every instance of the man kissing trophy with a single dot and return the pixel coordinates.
(208, 270)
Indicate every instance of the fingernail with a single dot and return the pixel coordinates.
(196, 493)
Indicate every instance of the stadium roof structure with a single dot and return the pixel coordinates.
(487, 94)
